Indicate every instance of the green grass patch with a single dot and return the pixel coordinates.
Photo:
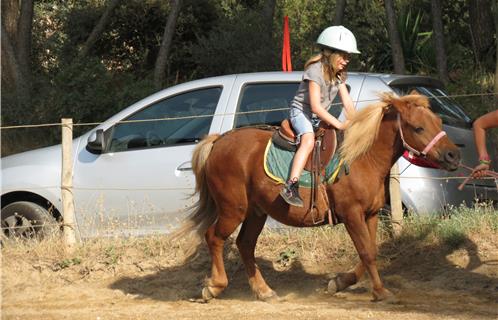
(454, 227)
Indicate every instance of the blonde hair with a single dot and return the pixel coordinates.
(328, 58)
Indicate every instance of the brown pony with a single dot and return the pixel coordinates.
(233, 188)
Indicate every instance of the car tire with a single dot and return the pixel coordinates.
(27, 219)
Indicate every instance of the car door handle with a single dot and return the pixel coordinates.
(186, 166)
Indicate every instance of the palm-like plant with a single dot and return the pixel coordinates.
(417, 46)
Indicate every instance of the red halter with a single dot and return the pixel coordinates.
(426, 149)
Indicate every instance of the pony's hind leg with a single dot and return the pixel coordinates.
(215, 238)
(246, 243)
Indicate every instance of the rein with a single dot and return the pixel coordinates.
(489, 173)
(426, 149)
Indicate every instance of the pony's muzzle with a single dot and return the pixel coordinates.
(452, 159)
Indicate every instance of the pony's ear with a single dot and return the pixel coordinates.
(399, 104)
(414, 92)
(391, 99)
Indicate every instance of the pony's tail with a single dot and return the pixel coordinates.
(203, 211)
(199, 159)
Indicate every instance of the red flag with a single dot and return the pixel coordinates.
(286, 55)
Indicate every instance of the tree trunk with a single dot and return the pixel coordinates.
(495, 10)
(162, 57)
(339, 12)
(481, 27)
(25, 26)
(394, 39)
(10, 16)
(11, 73)
(17, 23)
(267, 37)
(437, 25)
(10, 67)
(99, 27)
(268, 13)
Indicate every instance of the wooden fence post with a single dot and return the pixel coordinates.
(395, 195)
(67, 184)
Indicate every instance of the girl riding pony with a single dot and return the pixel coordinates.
(324, 77)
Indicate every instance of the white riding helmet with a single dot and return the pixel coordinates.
(338, 37)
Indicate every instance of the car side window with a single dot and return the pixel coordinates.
(264, 103)
(183, 118)
(441, 104)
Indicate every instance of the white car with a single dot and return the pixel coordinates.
(136, 178)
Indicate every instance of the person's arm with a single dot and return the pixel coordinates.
(347, 102)
(487, 121)
(316, 107)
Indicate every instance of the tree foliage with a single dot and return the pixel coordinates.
(215, 37)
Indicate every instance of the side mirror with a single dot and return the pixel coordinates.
(96, 141)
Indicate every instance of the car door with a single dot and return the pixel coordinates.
(143, 181)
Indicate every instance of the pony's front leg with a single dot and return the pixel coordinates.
(347, 279)
(366, 248)
(246, 243)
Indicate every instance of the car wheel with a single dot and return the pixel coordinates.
(26, 219)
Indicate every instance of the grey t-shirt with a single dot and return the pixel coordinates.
(328, 92)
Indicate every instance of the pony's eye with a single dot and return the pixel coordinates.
(419, 129)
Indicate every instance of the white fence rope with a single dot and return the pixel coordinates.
(216, 115)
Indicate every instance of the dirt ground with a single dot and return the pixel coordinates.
(430, 282)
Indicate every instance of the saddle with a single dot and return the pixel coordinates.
(325, 144)
(323, 151)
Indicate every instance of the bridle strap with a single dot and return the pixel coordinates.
(433, 142)
(429, 146)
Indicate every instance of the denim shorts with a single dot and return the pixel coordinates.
(302, 123)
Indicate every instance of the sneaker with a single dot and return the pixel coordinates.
(290, 194)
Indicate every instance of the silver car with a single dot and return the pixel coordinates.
(135, 177)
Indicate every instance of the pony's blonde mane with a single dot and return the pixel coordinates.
(362, 131)
(364, 127)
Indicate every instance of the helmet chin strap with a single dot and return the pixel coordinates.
(414, 151)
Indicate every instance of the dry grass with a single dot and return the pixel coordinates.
(451, 260)
(327, 245)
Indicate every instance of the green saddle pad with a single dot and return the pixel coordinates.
(278, 162)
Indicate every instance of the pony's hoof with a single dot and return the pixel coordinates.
(385, 296)
(337, 284)
(207, 294)
(268, 297)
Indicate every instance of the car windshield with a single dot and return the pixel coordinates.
(448, 109)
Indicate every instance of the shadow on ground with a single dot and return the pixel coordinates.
(422, 275)
(185, 281)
